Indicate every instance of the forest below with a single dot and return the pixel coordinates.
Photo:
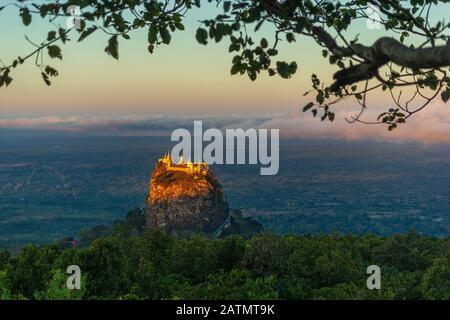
(127, 261)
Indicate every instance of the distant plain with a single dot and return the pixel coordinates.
(53, 186)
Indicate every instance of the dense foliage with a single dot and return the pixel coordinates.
(150, 264)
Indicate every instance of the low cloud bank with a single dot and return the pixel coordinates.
(137, 125)
(429, 126)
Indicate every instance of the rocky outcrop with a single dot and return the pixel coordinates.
(246, 227)
(185, 197)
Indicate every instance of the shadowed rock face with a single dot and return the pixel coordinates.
(185, 200)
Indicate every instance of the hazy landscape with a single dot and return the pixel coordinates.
(53, 186)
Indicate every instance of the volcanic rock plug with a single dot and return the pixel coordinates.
(185, 196)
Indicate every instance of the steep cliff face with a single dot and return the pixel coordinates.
(185, 197)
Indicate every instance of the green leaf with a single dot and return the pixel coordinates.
(234, 47)
(235, 69)
(272, 52)
(113, 47)
(445, 95)
(43, 10)
(331, 116)
(179, 26)
(259, 24)
(308, 106)
(320, 98)
(51, 36)
(152, 34)
(226, 6)
(46, 79)
(63, 35)
(5, 78)
(26, 16)
(165, 35)
(283, 69)
(51, 71)
(87, 33)
(54, 52)
(252, 75)
(290, 37)
(201, 36)
(293, 67)
(264, 43)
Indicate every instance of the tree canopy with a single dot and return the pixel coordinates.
(410, 63)
(132, 263)
(156, 265)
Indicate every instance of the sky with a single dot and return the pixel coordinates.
(184, 80)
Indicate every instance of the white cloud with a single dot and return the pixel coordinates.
(430, 125)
